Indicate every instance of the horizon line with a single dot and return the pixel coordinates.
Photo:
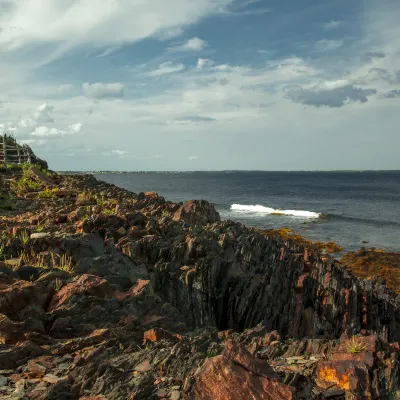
(227, 170)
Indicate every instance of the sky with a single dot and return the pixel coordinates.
(203, 85)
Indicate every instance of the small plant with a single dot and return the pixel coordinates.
(212, 353)
(355, 345)
(65, 263)
(85, 217)
(100, 200)
(108, 212)
(2, 251)
(47, 193)
(24, 238)
(84, 198)
(58, 284)
(39, 227)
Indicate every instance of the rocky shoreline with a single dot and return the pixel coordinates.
(108, 294)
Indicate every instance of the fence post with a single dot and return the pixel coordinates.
(29, 156)
(5, 149)
(19, 155)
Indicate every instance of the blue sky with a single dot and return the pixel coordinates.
(203, 85)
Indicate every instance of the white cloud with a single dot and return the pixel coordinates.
(75, 128)
(44, 131)
(103, 90)
(166, 68)
(69, 24)
(332, 25)
(328, 45)
(44, 113)
(192, 158)
(203, 63)
(194, 44)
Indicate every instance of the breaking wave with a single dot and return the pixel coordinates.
(273, 211)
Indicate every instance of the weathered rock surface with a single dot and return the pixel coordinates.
(125, 296)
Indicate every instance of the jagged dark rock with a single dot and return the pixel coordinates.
(130, 296)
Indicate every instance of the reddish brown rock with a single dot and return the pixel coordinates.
(17, 295)
(351, 376)
(142, 286)
(157, 334)
(89, 285)
(222, 379)
(10, 332)
(225, 334)
(242, 357)
(196, 212)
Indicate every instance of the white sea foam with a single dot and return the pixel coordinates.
(269, 210)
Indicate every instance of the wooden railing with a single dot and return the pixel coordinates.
(13, 153)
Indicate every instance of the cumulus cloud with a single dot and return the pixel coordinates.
(44, 113)
(204, 63)
(328, 45)
(193, 44)
(46, 132)
(166, 68)
(75, 128)
(103, 90)
(334, 95)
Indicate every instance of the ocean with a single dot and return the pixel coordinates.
(353, 209)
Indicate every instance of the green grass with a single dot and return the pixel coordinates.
(355, 346)
(24, 237)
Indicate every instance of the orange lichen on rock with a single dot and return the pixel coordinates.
(369, 264)
(331, 375)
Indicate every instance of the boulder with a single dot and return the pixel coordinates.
(84, 285)
(18, 295)
(221, 379)
(196, 212)
(116, 268)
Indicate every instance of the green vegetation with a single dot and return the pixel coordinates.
(100, 199)
(85, 198)
(25, 184)
(108, 212)
(355, 345)
(24, 238)
(212, 353)
(48, 193)
(39, 227)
